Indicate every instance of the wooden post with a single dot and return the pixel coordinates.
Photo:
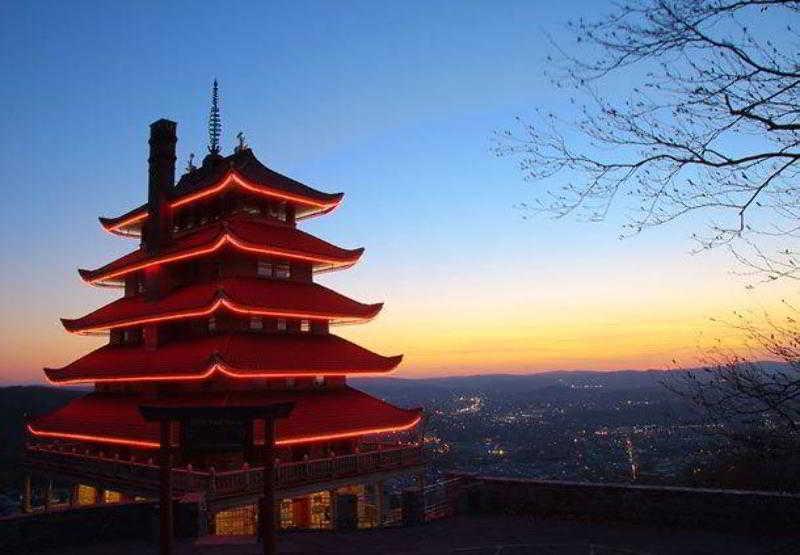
(267, 517)
(73, 495)
(26, 495)
(165, 498)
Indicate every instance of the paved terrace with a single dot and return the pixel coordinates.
(479, 535)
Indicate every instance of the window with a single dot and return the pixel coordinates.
(111, 496)
(281, 324)
(305, 325)
(281, 212)
(290, 382)
(256, 323)
(278, 211)
(212, 324)
(87, 495)
(252, 209)
(319, 381)
(237, 521)
(283, 271)
(264, 269)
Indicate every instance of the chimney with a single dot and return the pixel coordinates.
(163, 138)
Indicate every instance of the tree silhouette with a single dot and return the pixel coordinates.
(711, 127)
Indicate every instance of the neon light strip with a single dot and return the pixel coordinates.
(329, 437)
(232, 178)
(225, 239)
(95, 439)
(236, 179)
(154, 445)
(118, 227)
(224, 370)
(199, 313)
(166, 378)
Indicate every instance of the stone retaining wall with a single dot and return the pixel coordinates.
(725, 510)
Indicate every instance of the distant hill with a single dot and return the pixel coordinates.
(521, 383)
(514, 383)
(18, 402)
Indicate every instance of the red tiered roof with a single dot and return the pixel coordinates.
(239, 232)
(240, 355)
(317, 416)
(252, 296)
(242, 170)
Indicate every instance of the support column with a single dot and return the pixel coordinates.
(267, 516)
(73, 495)
(26, 494)
(165, 488)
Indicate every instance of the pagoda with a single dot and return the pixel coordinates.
(220, 306)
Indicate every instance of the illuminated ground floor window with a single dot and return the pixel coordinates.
(87, 495)
(111, 496)
(367, 504)
(320, 510)
(312, 511)
(239, 521)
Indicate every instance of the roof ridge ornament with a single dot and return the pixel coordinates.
(242, 146)
(214, 121)
(190, 167)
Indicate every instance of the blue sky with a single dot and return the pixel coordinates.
(393, 103)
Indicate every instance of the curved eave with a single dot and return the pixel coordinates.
(80, 327)
(321, 263)
(222, 369)
(129, 225)
(414, 418)
(236, 179)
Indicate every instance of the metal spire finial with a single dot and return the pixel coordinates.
(214, 121)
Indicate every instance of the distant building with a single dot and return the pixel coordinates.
(220, 306)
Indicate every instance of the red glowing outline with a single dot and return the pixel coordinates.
(227, 371)
(293, 441)
(94, 439)
(232, 178)
(235, 178)
(223, 302)
(238, 243)
(328, 437)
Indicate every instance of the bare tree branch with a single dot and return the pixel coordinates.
(712, 128)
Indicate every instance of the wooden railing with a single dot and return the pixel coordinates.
(143, 475)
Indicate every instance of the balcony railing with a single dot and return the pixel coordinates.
(143, 475)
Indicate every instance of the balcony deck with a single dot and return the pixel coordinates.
(135, 477)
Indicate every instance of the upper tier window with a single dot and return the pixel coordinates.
(264, 269)
(256, 323)
(278, 211)
(252, 209)
(283, 271)
(305, 325)
(281, 324)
